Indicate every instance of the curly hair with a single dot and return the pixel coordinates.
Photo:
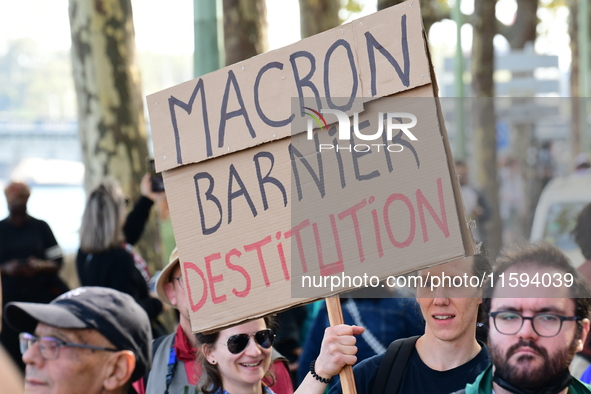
(211, 380)
(481, 268)
(582, 231)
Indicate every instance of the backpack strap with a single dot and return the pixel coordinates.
(155, 345)
(393, 364)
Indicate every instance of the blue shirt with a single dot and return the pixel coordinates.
(387, 319)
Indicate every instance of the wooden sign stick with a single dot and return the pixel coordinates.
(335, 316)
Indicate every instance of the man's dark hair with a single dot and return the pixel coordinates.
(481, 267)
(582, 231)
(542, 254)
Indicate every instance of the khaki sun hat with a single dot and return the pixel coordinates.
(164, 277)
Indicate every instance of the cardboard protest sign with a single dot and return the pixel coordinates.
(249, 103)
(269, 182)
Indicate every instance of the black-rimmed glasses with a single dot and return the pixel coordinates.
(237, 343)
(49, 347)
(544, 324)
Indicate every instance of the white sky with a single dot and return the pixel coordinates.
(167, 26)
(161, 26)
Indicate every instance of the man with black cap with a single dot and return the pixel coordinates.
(89, 340)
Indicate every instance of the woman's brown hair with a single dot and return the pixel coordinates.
(211, 379)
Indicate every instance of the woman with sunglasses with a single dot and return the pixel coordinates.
(236, 360)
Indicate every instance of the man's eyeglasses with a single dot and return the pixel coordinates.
(544, 324)
(237, 343)
(49, 347)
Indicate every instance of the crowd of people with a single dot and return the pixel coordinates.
(102, 337)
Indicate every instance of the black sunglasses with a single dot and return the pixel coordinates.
(237, 343)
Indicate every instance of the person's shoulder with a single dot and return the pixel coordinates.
(578, 387)
(114, 256)
(38, 222)
(483, 354)
(365, 373)
(267, 390)
(120, 256)
(369, 364)
(480, 361)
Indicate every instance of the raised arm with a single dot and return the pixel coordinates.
(338, 349)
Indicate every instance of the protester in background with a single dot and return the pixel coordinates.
(384, 319)
(582, 235)
(10, 376)
(177, 353)
(545, 166)
(290, 337)
(512, 201)
(475, 203)
(167, 240)
(91, 340)
(29, 260)
(582, 163)
(445, 358)
(534, 330)
(139, 215)
(104, 258)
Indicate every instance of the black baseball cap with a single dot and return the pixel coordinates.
(114, 314)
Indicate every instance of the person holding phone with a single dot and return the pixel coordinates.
(138, 216)
(105, 257)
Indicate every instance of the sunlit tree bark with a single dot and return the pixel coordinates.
(245, 29)
(111, 119)
(523, 29)
(317, 16)
(432, 10)
(484, 137)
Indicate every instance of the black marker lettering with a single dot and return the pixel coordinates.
(332, 48)
(240, 192)
(268, 179)
(318, 179)
(257, 104)
(373, 44)
(229, 115)
(188, 107)
(306, 80)
(356, 155)
(209, 197)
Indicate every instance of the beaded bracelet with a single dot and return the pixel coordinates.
(319, 378)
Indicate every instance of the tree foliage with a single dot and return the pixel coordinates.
(26, 94)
